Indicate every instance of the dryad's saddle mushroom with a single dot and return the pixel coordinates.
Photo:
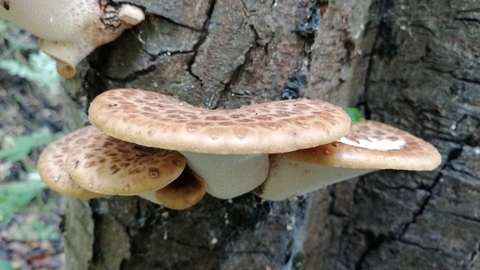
(69, 30)
(229, 152)
(52, 164)
(368, 147)
(111, 166)
(187, 190)
(227, 148)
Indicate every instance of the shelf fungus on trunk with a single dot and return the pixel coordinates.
(52, 165)
(186, 191)
(369, 146)
(69, 30)
(227, 148)
(107, 165)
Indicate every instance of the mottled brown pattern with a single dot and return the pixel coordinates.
(156, 120)
(186, 191)
(416, 154)
(52, 169)
(368, 130)
(110, 166)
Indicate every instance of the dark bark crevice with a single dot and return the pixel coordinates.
(202, 39)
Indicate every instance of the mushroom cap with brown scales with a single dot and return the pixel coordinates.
(369, 146)
(157, 120)
(186, 191)
(111, 166)
(52, 165)
(373, 145)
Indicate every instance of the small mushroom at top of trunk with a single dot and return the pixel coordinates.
(69, 30)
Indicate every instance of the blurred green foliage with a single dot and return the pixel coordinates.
(22, 58)
(354, 114)
(5, 265)
(38, 68)
(24, 144)
(15, 196)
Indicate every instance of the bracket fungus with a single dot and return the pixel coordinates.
(187, 190)
(52, 165)
(69, 30)
(111, 166)
(368, 147)
(227, 148)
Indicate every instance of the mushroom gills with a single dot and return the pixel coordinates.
(289, 178)
(229, 176)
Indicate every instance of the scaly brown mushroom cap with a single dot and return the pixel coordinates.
(373, 145)
(111, 166)
(156, 120)
(368, 147)
(52, 168)
(186, 191)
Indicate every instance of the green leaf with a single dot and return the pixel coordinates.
(40, 69)
(354, 114)
(3, 28)
(23, 145)
(5, 265)
(14, 197)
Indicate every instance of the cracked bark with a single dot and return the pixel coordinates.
(412, 64)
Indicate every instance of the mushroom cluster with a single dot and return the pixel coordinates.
(69, 30)
(88, 163)
(169, 152)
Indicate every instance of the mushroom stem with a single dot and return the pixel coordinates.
(229, 176)
(289, 177)
(67, 54)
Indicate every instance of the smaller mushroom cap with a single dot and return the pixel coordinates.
(373, 145)
(368, 147)
(156, 120)
(186, 191)
(110, 166)
(52, 165)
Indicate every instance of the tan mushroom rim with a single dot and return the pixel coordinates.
(373, 145)
(111, 166)
(186, 191)
(52, 165)
(155, 120)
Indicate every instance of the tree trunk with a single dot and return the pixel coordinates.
(412, 64)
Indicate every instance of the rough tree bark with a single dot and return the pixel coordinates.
(412, 64)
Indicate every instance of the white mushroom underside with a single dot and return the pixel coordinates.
(374, 144)
(229, 176)
(289, 178)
